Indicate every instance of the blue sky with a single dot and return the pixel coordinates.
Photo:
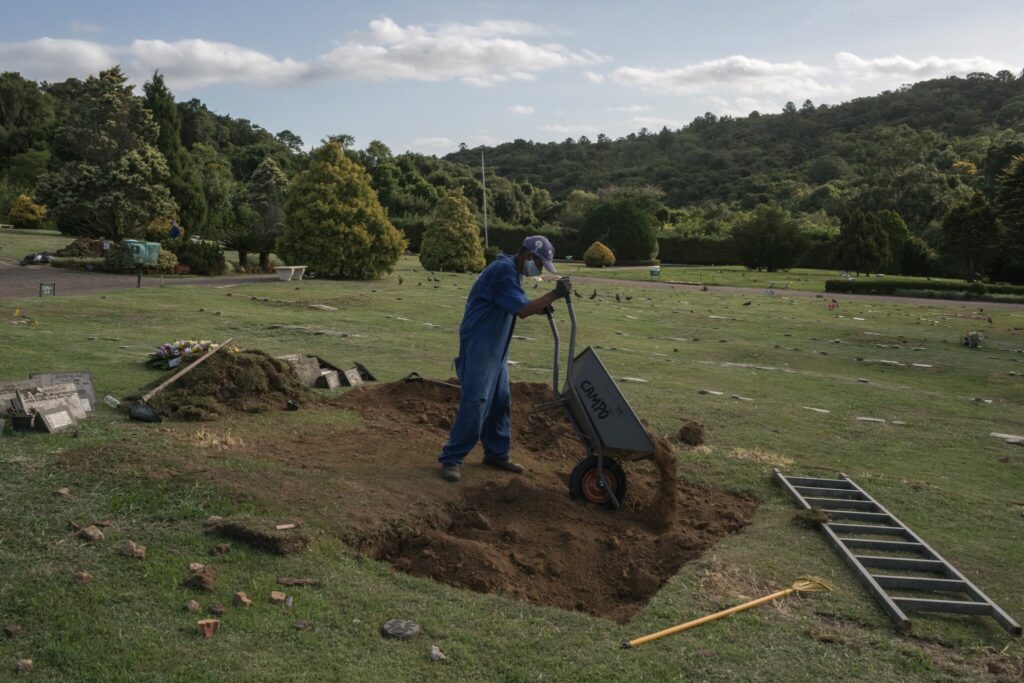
(428, 75)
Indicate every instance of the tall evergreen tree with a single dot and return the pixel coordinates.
(969, 234)
(769, 240)
(266, 189)
(863, 246)
(184, 182)
(334, 223)
(1010, 208)
(109, 179)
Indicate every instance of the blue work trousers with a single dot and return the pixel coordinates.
(486, 407)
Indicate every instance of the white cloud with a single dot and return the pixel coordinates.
(481, 54)
(571, 128)
(742, 106)
(433, 143)
(593, 77)
(632, 108)
(50, 59)
(197, 63)
(735, 72)
(900, 67)
(521, 109)
(652, 122)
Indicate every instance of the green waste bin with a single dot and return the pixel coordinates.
(142, 253)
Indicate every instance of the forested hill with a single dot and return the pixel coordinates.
(917, 150)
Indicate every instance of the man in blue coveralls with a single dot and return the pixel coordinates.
(495, 300)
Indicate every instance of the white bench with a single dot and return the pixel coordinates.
(8, 226)
(288, 273)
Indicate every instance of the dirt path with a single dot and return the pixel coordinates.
(598, 282)
(18, 282)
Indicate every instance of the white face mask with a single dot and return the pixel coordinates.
(530, 268)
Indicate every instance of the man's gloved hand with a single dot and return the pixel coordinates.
(563, 287)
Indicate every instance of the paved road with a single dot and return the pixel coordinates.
(19, 282)
(585, 281)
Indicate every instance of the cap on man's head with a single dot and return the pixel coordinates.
(540, 246)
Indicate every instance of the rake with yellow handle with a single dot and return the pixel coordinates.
(805, 584)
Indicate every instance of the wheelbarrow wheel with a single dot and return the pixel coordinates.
(584, 484)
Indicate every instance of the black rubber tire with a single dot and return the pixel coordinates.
(583, 480)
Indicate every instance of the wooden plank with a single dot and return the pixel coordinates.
(184, 371)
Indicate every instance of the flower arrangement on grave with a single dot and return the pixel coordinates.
(182, 351)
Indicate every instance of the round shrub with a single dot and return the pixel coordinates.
(334, 223)
(598, 256)
(452, 242)
(25, 213)
(625, 227)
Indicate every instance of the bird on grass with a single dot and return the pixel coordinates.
(747, 303)
(629, 298)
(577, 293)
(594, 295)
(400, 280)
(618, 298)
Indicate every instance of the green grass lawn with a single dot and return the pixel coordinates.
(732, 276)
(15, 244)
(941, 473)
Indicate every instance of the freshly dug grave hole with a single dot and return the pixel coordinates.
(249, 381)
(523, 536)
(534, 543)
(375, 484)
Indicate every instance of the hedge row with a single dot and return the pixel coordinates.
(894, 287)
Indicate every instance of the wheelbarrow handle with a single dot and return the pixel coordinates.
(550, 312)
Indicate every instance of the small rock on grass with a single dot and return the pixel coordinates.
(216, 609)
(278, 598)
(192, 606)
(204, 580)
(12, 630)
(63, 491)
(436, 655)
(81, 577)
(221, 549)
(133, 549)
(23, 666)
(303, 625)
(400, 629)
(240, 599)
(91, 533)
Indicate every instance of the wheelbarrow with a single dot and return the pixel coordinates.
(603, 420)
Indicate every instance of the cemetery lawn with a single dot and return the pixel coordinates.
(16, 244)
(941, 473)
(732, 276)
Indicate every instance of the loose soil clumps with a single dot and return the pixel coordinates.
(375, 484)
(248, 381)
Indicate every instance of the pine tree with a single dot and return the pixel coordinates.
(452, 242)
(969, 234)
(184, 182)
(108, 179)
(863, 246)
(334, 223)
(267, 188)
(1010, 209)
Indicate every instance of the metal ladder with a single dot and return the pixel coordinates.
(857, 522)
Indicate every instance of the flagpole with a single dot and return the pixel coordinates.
(483, 181)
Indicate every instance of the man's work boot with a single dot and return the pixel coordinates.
(450, 472)
(507, 465)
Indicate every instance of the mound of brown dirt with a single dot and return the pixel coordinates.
(433, 407)
(691, 433)
(83, 247)
(249, 381)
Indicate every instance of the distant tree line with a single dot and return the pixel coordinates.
(925, 179)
